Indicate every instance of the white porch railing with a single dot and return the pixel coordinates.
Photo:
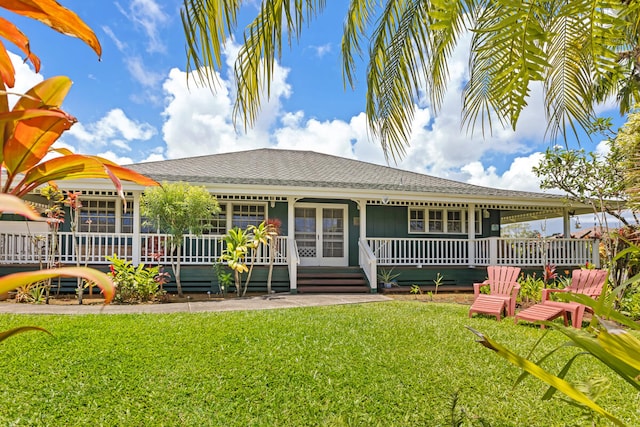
(293, 261)
(93, 248)
(368, 263)
(486, 251)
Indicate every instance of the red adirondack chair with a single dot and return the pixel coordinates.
(586, 282)
(503, 290)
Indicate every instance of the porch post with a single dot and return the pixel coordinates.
(362, 206)
(471, 234)
(292, 257)
(135, 239)
(566, 223)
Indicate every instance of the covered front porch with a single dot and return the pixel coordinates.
(23, 249)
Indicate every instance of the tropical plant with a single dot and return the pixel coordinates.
(234, 254)
(178, 208)
(387, 276)
(240, 245)
(582, 53)
(135, 284)
(29, 129)
(225, 278)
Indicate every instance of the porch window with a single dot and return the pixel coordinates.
(217, 224)
(454, 221)
(102, 216)
(435, 221)
(423, 220)
(245, 215)
(416, 221)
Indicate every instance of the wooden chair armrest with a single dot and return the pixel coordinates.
(476, 289)
(547, 292)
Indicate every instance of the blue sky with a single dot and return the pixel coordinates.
(134, 105)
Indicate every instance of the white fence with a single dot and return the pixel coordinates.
(93, 248)
(485, 251)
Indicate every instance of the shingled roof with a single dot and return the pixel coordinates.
(290, 168)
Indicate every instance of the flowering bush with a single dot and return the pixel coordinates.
(136, 284)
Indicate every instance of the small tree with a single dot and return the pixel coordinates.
(176, 209)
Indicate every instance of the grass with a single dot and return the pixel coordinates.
(395, 363)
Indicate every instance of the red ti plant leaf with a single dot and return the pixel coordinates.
(12, 204)
(7, 72)
(76, 166)
(11, 33)
(52, 14)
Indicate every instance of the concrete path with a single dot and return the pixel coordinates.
(231, 304)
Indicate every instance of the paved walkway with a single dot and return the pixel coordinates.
(231, 304)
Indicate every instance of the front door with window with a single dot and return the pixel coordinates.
(321, 234)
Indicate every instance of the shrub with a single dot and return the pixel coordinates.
(135, 284)
(530, 289)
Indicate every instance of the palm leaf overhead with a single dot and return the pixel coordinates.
(581, 52)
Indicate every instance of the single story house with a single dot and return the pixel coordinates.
(342, 220)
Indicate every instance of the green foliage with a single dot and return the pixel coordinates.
(415, 290)
(178, 208)
(135, 284)
(530, 289)
(34, 293)
(629, 304)
(242, 244)
(387, 275)
(225, 277)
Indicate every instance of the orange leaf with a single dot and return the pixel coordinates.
(50, 13)
(76, 166)
(7, 72)
(10, 32)
(12, 281)
(31, 141)
(12, 204)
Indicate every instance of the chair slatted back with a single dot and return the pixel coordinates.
(587, 282)
(502, 279)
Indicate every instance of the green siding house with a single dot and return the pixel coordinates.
(342, 221)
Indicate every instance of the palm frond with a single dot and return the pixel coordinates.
(207, 26)
(263, 45)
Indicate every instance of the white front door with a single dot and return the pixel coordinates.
(321, 234)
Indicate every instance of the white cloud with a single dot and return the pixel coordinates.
(114, 129)
(120, 45)
(321, 50)
(519, 176)
(145, 77)
(149, 15)
(110, 155)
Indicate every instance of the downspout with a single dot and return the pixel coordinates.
(136, 255)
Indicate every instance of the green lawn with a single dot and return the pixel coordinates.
(381, 364)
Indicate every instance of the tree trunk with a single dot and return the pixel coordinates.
(176, 267)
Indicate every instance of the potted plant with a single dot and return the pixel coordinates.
(386, 277)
